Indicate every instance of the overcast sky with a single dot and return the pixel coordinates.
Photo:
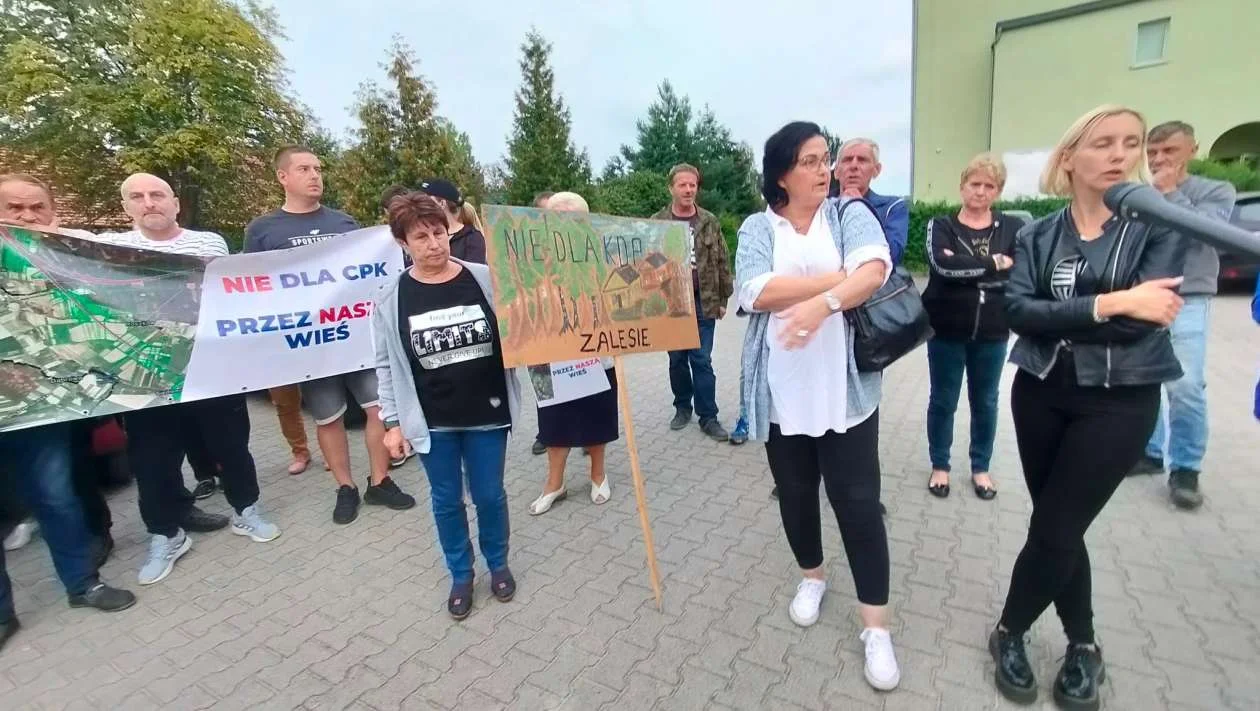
(841, 63)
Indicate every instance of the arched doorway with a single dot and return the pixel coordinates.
(1240, 141)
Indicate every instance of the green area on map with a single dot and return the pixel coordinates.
(89, 329)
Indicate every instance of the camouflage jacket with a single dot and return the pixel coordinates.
(712, 262)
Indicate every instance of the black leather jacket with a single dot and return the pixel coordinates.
(1119, 351)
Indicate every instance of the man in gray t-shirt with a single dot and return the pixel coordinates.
(1170, 148)
(302, 220)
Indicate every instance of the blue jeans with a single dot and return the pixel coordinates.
(691, 375)
(947, 360)
(1185, 415)
(38, 462)
(482, 454)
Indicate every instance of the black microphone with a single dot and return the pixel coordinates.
(1143, 203)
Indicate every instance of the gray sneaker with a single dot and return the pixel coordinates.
(681, 417)
(1183, 489)
(251, 523)
(163, 552)
(714, 430)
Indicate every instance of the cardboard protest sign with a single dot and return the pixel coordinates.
(573, 285)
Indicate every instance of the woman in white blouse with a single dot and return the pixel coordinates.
(800, 264)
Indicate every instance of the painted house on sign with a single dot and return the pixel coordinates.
(654, 270)
(623, 290)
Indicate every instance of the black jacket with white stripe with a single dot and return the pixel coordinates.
(1052, 313)
(964, 297)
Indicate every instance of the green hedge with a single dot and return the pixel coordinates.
(920, 212)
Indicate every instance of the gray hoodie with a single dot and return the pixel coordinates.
(1210, 198)
(399, 400)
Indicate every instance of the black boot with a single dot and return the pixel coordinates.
(1076, 686)
(1014, 675)
(8, 628)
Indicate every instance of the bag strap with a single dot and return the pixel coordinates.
(840, 208)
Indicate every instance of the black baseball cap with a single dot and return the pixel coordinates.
(444, 189)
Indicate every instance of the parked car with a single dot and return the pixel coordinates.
(1242, 268)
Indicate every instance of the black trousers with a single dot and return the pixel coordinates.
(200, 458)
(848, 465)
(86, 472)
(156, 446)
(1076, 445)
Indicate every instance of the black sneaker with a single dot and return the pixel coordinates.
(1147, 466)
(8, 628)
(715, 430)
(1076, 686)
(102, 547)
(682, 417)
(389, 495)
(204, 489)
(538, 448)
(1183, 488)
(201, 522)
(104, 598)
(1014, 675)
(347, 508)
(459, 604)
(503, 585)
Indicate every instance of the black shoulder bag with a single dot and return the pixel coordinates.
(893, 321)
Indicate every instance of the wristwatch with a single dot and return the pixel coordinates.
(832, 302)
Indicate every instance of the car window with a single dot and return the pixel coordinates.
(1248, 212)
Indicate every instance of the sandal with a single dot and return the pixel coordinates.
(459, 603)
(601, 492)
(543, 503)
(940, 491)
(985, 493)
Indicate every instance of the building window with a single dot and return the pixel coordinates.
(1152, 41)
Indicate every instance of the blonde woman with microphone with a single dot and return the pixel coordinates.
(1091, 296)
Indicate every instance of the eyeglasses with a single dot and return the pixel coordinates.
(813, 162)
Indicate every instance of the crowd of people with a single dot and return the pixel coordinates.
(1109, 314)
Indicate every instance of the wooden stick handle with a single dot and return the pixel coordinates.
(640, 493)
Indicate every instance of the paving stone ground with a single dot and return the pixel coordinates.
(332, 617)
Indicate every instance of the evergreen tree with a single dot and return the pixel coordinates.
(669, 136)
(541, 156)
(665, 137)
(401, 140)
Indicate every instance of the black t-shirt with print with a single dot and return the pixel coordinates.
(1081, 269)
(452, 340)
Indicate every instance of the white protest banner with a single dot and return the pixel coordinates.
(273, 318)
(568, 380)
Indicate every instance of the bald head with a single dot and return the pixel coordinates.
(151, 204)
(26, 200)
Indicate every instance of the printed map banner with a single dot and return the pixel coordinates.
(572, 285)
(90, 329)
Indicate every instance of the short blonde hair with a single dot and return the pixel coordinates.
(985, 163)
(568, 201)
(1055, 180)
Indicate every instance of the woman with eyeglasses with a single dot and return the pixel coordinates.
(800, 265)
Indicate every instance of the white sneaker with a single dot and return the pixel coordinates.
(804, 607)
(251, 523)
(881, 663)
(163, 552)
(20, 535)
